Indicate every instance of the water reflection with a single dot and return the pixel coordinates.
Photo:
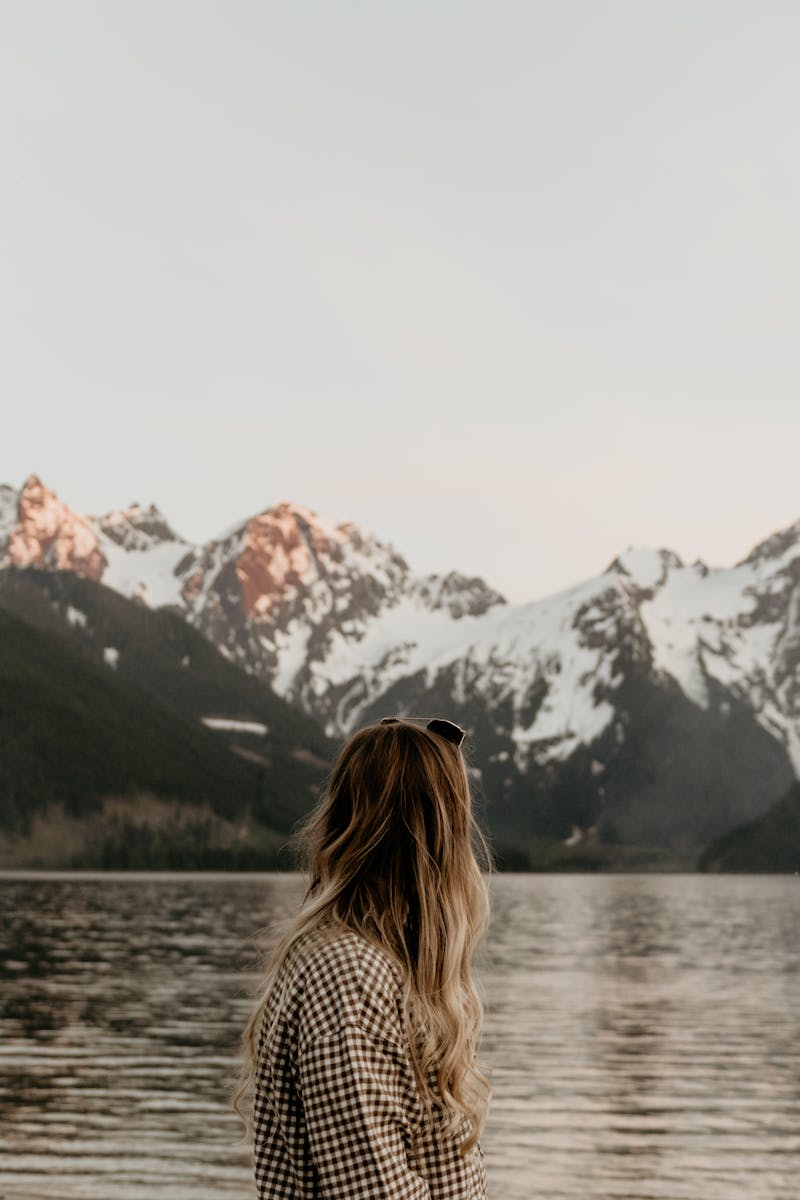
(642, 1034)
(632, 1026)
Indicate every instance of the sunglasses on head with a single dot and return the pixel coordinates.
(446, 729)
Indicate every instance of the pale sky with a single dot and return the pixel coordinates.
(513, 285)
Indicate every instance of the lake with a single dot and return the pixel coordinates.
(643, 1035)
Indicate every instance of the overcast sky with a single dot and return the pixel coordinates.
(514, 285)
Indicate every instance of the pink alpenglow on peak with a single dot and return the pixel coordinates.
(133, 550)
(47, 533)
(262, 566)
(279, 552)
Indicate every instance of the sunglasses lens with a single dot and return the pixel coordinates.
(447, 729)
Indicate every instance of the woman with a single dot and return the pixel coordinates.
(361, 1054)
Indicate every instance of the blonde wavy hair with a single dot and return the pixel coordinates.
(392, 852)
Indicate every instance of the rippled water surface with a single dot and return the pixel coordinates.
(643, 1034)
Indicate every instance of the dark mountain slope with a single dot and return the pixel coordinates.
(71, 732)
(770, 843)
(157, 651)
(664, 774)
(158, 655)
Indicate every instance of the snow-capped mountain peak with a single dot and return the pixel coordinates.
(646, 568)
(41, 531)
(286, 560)
(137, 528)
(459, 595)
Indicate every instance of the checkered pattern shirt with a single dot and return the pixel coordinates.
(337, 1112)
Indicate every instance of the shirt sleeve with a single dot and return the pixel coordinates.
(354, 1092)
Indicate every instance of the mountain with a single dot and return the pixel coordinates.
(657, 702)
(38, 529)
(74, 738)
(132, 550)
(295, 600)
(580, 724)
(106, 705)
(770, 843)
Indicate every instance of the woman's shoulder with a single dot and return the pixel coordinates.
(344, 960)
(345, 979)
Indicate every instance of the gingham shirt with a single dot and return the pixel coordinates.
(337, 1113)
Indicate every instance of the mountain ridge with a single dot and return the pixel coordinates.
(333, 620)
(127, 732)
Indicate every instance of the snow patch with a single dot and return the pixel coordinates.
(236, 726)
(149, 574)
(291, 646)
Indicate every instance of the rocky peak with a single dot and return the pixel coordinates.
(459, 595)
(776, 546)
(645, 568)
(287, 560)
(289, 549)
(137, 528)
(46, 533)
(280, 551)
